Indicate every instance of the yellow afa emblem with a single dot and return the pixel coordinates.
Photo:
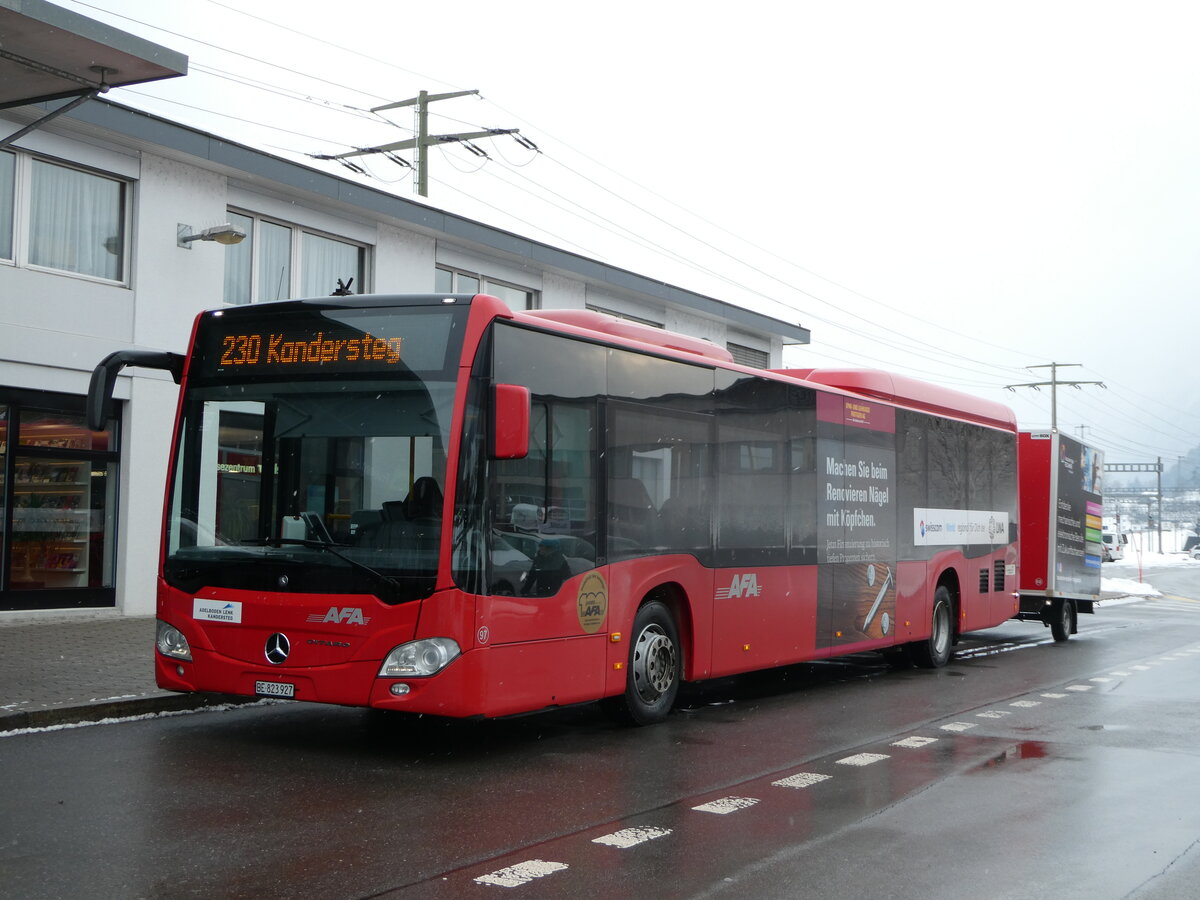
(592, 602)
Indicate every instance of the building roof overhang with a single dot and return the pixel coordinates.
(49, 53)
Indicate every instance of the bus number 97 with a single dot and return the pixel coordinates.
(241, 349)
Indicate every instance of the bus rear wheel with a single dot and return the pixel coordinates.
(934, 652)
(655, 667)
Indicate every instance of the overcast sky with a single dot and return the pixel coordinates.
(951, 190)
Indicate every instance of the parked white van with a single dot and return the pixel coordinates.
(1114, 545)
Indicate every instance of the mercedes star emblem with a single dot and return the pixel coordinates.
(278, 648)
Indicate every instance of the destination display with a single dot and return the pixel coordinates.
(326, 342)
(283, 349)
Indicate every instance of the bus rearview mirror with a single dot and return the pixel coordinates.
(510, 422)
(100, 389)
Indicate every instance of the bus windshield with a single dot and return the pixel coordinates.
(311, 479)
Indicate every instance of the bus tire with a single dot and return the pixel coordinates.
(935, 651)
(655, 667)
(1062, 623)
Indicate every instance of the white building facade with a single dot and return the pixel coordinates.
(92, 206)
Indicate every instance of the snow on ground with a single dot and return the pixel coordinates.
(1123, 576)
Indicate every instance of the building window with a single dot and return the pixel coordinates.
(70, 220)
(278, 261)
(748, 356)
(58, 490)
(455, 281)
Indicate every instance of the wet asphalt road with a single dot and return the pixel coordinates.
(1023, 769)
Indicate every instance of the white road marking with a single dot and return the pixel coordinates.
(1121, 674)
(631, 837)
(1142, 668)
(1079, 687)
(993, 714)
(801, 780)
(862, 759)
(914, 743)
(1100, 679)
(726, 805)
(1026, 704)
(1054, 696)
(521, 873)
(959, 726)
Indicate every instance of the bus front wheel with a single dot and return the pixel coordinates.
(934, 652)
(655, 667)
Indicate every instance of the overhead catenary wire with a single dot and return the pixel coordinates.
(891, 364)
(903, 345)
(770, 297)
(708, 245)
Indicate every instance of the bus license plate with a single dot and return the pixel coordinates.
(274, 689)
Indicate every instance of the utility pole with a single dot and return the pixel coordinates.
(1053, 384)
(424, 140)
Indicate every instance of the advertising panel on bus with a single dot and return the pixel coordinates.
(856, 520)
(1078, 515)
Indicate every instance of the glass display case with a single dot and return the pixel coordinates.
(58, 484)
(50, 531)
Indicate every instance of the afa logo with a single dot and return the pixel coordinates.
(347, 615)
(742, 586)
(592, 602)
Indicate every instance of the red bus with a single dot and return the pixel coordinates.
(436, 504)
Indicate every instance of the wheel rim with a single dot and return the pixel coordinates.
(1066, 618)
(653, 663)
(941, 630)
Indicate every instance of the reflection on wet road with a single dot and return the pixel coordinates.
(1025, 768)
(807, 819)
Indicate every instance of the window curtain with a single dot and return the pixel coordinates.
(76, 222)
(325, 261)
(8, 165)
(274, 262)
(237, 262)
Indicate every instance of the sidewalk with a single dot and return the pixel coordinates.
(63, 667)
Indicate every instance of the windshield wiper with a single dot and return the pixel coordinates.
(329, 548)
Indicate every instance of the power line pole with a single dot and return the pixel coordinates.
(424, 140)
(1053, 384)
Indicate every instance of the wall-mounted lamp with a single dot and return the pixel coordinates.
(222, 234)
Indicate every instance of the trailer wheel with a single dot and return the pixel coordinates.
(655, 668)
(934, 652)
(1062, 625)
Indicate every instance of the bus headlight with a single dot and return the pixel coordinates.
(171, 642)
(419, 658)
